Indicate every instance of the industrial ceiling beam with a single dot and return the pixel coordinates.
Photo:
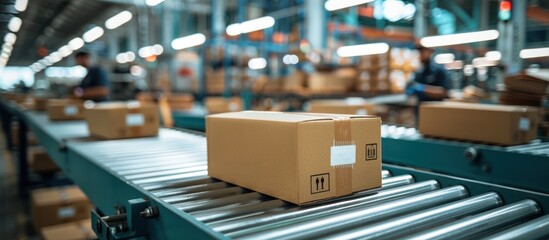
(202, 8)
(462, 15)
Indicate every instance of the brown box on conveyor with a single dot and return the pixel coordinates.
(122, 120)
(221, 104)
(65, 109)
(297, 157)
(341, 107)
(495, 124)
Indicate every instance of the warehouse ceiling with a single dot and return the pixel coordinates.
(48, 23)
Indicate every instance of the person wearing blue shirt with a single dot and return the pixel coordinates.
(431, 81)
(95, 85)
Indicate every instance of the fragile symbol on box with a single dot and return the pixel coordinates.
(371, 151)
(320, 183)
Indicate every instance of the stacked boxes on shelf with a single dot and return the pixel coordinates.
(388, 72)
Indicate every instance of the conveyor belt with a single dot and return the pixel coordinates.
(521, 166)
(171, 171)
(181, 180)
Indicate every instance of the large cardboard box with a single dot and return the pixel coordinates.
(65, 109)
(297, 157)
(52, 206)
(339, 81)
(40, 161)
(503, 125)
(79, 230)
(221, 105)
(122, 120)
(342, 107)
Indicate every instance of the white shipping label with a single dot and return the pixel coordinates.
(66, 212)
(524, 124)
(342, 155)
(135, 119)
(70, 110)
(233, 106)
(361, 112)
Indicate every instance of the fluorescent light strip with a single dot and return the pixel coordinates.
(444, 58)
(460, 38)
(10, 38)
(145, 52)
(188, 41)
(21, 5)
(76, 43)
(483, 62)
(332, 5)
(15, 24)
(93, 34)
(363, 49)
(65, 51)
(118, 19)
(493, 55)
(257, 63)
(250, 26)
(534, 53)
(153, 3)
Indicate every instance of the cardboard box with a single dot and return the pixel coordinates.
(528, 83)
(295, 82)
(65, 109)
(52, 206)
(179, 101)
(503, 125)
(122, 120)
(331, 82)
(40, 161)
(297, 157)
(79, 230)
(221, 105)
(349, 106)
(40, 103)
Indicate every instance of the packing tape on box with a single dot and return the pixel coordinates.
(343, 150)
(135, 129)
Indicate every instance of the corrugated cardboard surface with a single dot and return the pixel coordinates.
(341, 107)
(79, 230)
(114, 120)
(221, 105)
(283, 154)
(40, 161)
(504, 125)
(52, 206)
(65, 109)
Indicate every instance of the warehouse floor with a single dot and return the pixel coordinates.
(14, 223)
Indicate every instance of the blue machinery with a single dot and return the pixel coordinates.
(158, 188)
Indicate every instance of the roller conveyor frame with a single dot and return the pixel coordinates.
(99, 177)
(488, 163)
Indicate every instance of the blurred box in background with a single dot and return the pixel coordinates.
(52, 206)
(221, 104)
(65, 109)
(122, 120)
(496, 124)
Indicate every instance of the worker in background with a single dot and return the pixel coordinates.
(431, 82)
(95, 85)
